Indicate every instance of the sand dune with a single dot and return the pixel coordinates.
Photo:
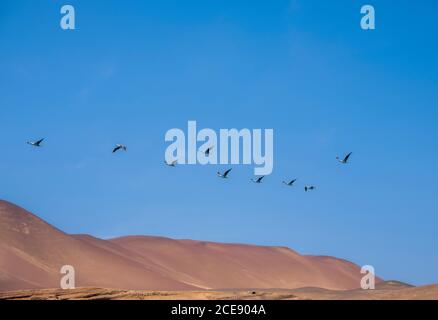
(32, 253)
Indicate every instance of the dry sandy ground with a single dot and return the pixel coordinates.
(386, 291)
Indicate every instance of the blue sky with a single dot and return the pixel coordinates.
(134, 69)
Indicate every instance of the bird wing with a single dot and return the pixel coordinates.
(116, 148)
(347, 156)
(39, 141)
(260, 179)
(208, 150)
(227, 172)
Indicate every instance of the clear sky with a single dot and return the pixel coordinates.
(134, 69)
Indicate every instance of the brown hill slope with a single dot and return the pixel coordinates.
(217, 266)
(32, 253)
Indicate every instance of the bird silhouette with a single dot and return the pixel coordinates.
(119, 147)
(290, 183)
(207, 152)
(36, 143)
(224, 175)
(171, 164)
(258, 180)
(345, 160)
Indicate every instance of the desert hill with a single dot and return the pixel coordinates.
(32, 253)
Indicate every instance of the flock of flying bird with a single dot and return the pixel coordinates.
(223, 175)
(39, 142)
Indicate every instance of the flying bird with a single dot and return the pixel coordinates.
(223, 175)
(309, 188)
(345, 160)
(207, 152)
(119, 147)
(171, 164)
(36, 143)
(258, 180)
(290, 183)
